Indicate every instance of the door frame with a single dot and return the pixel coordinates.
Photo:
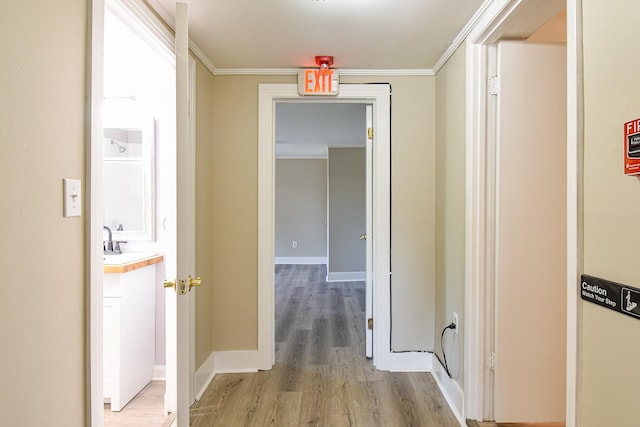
(499, 19)
(93, 194)
(368, 340)
(94, 415)
(378, 95)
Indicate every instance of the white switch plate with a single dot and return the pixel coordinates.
(72, 199)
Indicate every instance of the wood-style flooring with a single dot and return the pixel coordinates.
(146, 409)
(321, 376)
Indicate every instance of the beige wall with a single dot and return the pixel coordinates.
(347, 210)
(235, 208)
(204, 212)
(610, 341)
(42, 136)
(301, 207)
(413, 133)
(42, 125)
(450, 208)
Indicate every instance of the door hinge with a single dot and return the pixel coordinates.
(491, 362)
(369, 133)
(370, 323)
(494, 84)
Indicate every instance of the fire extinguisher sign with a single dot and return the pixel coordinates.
(632, 147)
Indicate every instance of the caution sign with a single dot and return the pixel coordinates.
(614, 296)
(632, 147)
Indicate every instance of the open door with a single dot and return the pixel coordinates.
(179, 295)
(530, 278)
(369, 235)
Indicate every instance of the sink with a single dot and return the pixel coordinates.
(127, 258)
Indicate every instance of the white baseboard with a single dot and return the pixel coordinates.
(236, 361)
(450, 389)
(159, 373)
(224, 362)
(301, 260)
(346, 276)
(204, 375)
(410, 361)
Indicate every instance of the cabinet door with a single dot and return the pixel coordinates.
(111, 351)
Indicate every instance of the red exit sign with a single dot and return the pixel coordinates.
(318, 81)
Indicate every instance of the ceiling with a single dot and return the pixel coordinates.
(307, 129)
(236, 35)
(364, 37)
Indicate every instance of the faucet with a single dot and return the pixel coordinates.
(108, 246)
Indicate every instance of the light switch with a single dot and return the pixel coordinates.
(72, 200)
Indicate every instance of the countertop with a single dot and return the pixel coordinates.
(124, 263)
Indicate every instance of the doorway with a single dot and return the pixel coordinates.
(323, 198)
(379, 97)
(487, 307)
(134, 121)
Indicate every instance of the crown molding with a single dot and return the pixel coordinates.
(300, 157)
(453, 46)
(202, 57)
(391, 72)
(162, 12)
(462, 35)
(256, 71)
(171, 23)
(145, 23)
(343, 72)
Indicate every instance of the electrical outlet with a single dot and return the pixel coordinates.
(455, 322)
(294, 244)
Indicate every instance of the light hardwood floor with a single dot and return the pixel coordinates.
(321, 376)
(146, 409)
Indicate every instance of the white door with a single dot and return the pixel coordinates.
(180, 380)
(530, 304)
(369, 234)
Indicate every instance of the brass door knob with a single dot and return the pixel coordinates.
(194, 282)
(169, 284)
(363, 237)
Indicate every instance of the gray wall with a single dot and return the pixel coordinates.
(347, 209)
(301, 207)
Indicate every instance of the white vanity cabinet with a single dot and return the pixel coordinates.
(129, 327)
